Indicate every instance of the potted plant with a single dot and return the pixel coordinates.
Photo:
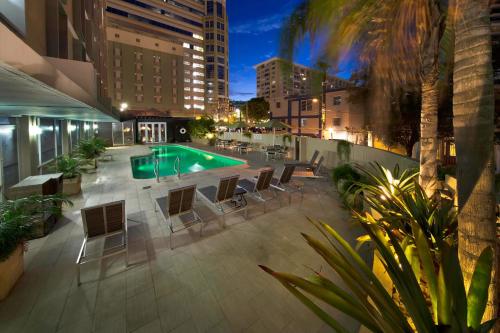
(69, 166)
(17, 223)
(90, 150)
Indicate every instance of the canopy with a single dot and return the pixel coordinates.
(275, 124)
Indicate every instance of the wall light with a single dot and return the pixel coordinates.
(7, 129)
(71, 128)
(95, 126)
(330, 130)
(123, 106)
(315, 100)
(35, 130)
(86, 127)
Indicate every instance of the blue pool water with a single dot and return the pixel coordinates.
(192, 160)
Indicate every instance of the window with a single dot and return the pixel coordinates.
(210, 59)
(278, 105)
(337, 121)
(221, 88)
(118, 74)
(139, 98)
(210, 48)
(220, 72)
(220, 37)
(306, 105)
(210, 7)
(210, 71)
(303, 122)
(220, 12)
(337, 100)
(220, 49)
(220, 26)
(138, 56)
(117, 63)
(220, 60)
(47, 140)
(118, 51)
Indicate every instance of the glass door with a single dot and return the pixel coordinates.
(152, 132)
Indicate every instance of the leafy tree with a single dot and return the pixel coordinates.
(257, 109)
(199, 128)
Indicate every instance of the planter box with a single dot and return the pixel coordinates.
(72, 186)
(10, 271)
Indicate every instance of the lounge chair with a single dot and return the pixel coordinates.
(257, 187)
(311, 172)
(285, 183)
(179, 203)
(309, 164)
(223, 196)
(101, 222)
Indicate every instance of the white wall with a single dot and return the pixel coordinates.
(328, 148)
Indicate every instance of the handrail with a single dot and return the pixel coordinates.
(157, 169)
(178, 169)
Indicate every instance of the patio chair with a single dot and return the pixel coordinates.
(309, 164)
(270, 153)
(101, 222)
(243, 148)
(223, 196)
(311, 172)
(285, 183)
(257, 187)
(179, 203)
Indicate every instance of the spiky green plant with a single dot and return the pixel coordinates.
(397, 200)
(68, 165)
(368, 302)
(17, 218)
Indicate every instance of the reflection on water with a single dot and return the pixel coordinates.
(192, 160)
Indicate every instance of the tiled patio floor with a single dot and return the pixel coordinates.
(208, 284)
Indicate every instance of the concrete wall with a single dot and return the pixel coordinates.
(328, 148)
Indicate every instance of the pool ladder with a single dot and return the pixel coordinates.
(178, 169)
(157, 169)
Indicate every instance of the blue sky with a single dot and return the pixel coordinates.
(254, 29)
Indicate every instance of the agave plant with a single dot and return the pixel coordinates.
(397, 200)
(368, 302)
(17, 218)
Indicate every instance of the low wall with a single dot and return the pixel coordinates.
(328, 148)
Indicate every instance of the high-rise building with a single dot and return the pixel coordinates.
(167, 62)
(53, 84)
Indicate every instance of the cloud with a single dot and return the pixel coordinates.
(258, 26)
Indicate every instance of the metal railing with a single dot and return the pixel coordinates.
(178, 169)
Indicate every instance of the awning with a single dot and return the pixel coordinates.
(24, 95)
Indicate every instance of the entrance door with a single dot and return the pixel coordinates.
(152, 132)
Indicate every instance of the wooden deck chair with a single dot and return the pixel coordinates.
(101, 222)
(257, 187)
(179, 203)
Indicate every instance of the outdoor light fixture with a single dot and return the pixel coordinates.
(86, 127)
(71, 128)
(35, 130)
(123, 107)
(95, 126)
(315, 100)
(7, 129)
(330, 130)
(198, 117)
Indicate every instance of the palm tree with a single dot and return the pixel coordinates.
(398, 39)
(473, 122)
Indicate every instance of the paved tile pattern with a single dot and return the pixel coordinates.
(207, 284)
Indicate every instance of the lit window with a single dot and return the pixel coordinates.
(196, 36)
(187, 89)
(198, 98)
(187, 106)
(195, 65)
(198, 48)
(198, 82)
(198, 74)
(197, 106)
(186, 45)
(198, 90)
(198, 57)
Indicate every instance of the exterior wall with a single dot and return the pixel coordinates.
(147, 73)
(328, 148)
(183, 23)
(342, 118)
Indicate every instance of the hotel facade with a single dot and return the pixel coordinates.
(167, 63)
(53, 82)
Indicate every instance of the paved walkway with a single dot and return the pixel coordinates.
(208, 284)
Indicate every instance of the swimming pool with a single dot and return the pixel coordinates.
(192, 160)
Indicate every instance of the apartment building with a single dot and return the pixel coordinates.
(334, 118)
(53, 82)
(168, 62)
(278, 80)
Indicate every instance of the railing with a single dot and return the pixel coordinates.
(157, 169)
(178, 169)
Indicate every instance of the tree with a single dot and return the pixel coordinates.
(257, 109)
(399, 39)
(199, 128)
(473, 122)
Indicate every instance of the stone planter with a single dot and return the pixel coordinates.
(10, 271)
(72, 186)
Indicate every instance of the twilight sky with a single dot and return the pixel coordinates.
(254, 29)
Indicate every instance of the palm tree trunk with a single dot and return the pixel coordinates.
(473, 122)
(428, 133)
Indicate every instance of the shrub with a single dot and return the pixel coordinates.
(199, 128)
(17, 218)
(91, 148)
(68, 165)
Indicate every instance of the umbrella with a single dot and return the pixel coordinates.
(238, 124)
(275, 124)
